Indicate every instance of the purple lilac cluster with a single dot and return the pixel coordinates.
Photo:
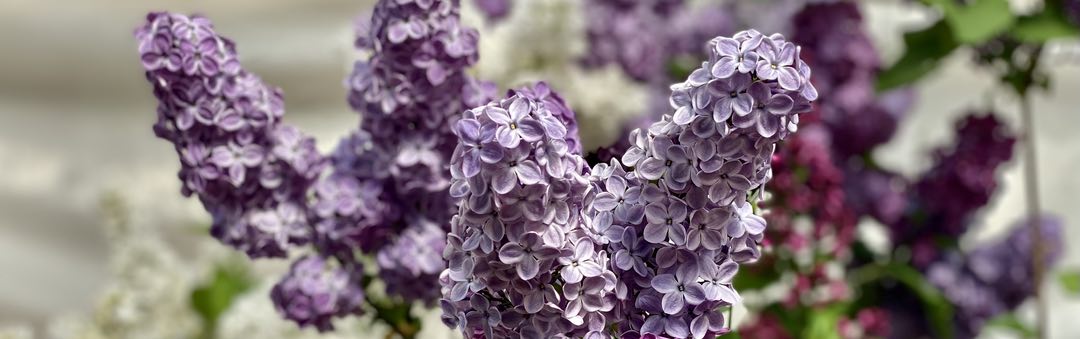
(387, 194)
(521, 262)
(620, 32)
(960, 182)
(845, 69)
(250, 171)
(315, 291)
(995, 278)
(623, 32)
(678, 212)
(644, 247)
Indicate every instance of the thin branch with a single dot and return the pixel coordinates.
(1031, 185)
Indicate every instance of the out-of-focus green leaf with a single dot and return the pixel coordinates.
(1070, 281)
(1010, 322)
(213, 298)
(978, 20)
(824, 323)
(753, 278)
(730, 335)
(924, 50)
(939, 312)
(1047, 25)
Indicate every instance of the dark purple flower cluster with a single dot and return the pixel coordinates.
(494, 10)
(250, 171)
(619, 32)
(845, 69)
(995, 278)
(960, 182)
(387, 194)
(1072, 11)
(648, 249)
(315, 291)
(625, 33)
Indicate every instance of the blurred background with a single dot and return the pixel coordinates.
(75, 139)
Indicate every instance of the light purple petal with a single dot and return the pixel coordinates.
(528, 267)
(673, 303)
(529, 172)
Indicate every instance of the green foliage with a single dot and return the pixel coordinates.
(824, 323)
(939, 311)
(730, 335)
(211, 299)
(976, 21)
(1045, 26)
(925, 49)
(1070, 281)
(1009, 322)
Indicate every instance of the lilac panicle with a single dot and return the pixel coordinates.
(995, 278)
(678, 209)
(387, 194)
(315, 291)
(645, 245)
(960, 182)
(250, 171)
(521, 261)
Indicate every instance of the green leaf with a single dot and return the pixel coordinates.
(939, 311)
(977, 21)
(1010, 322)
(730, 335)
(1047, 25)
(925, 49)
(824, 323)
(1070, 281)
(215, 296)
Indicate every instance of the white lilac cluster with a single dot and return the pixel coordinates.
(148, 292)
(645, 247)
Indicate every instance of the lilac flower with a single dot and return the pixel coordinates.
(679, 289)
(685, 163)
(516, 168)
(633, 253)
(494, 10)
(665, 222)
(537, 229)
(621, 199)
(526, 255)
(515, 125)
(659, 320)
(314, 292)
(777, 62)
(717, 282)
(736, 55)
(249, 171)
(615, 245)
(705, 229)
(580, 265)
(732, 95)
(994, 278)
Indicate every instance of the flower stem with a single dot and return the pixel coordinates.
(1031, 186)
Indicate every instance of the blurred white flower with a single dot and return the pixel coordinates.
(16, 332)
(148, 294)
